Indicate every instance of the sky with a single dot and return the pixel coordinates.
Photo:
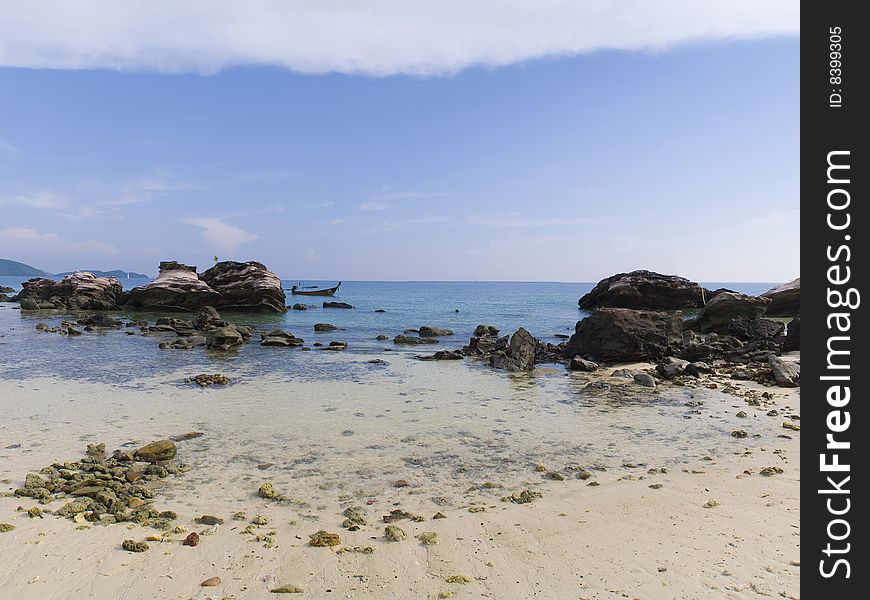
(508, 140)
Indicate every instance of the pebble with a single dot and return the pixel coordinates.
(287, 589)
(211, 582)
(191, 540)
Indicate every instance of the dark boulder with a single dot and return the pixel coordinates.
(208, 318)
(793, 336)
(412, 340)
(581, 364)
(482, 330)
(785, 299)
(519, 355)
(754, 329)
(177, 287)
(427, 331)
(622, 334)
(278, 337)
(78, 291)
(719, 312)
(644, 290)
(336, 305)
(100, 320)
(324, 327)
(246, 286)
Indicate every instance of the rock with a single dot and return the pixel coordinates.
(412, 340)
(335, 346)
(754, 329)
(324, 327)
(278, 337)
(581, 364)
(157, 451)
(78, 291)
(785, 299)
(482, 330)
(785, 373)
(426, 331)
(100, 320)
(177, 287)
(268, 491)
(134, 546)
(211, 582)
(519, 355)
(224, 338)
(717, 315)
(299, 306)
(208, 318)
(394, 533)
(696, 368)
(287, 589)
(671, 367)
(771, 471)
(644, 290)
(444, 355)
(246, 286)
(793, 336)
(6, 527)
(624, 335)
(645, 379)
(191, 540)
(324, 539)
(382, 337)
(428, 538)
(523, 497)
(336, 305)
(209, 520)
(206, 379)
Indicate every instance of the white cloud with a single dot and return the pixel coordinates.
(222, 237)
(27, 238)
(376, 37)
(34, 200)
(371, 206)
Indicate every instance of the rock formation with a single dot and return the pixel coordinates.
(785, 300)
(246, 286)
(644, 290)
(79, 291)
(622, 334)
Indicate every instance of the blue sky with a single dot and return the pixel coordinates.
(570, 168)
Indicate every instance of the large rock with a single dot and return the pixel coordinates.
(793, 336)
(727, 306)
(246, 286)
(224, 338)
(427, 331)
(754, 329)
(157, 451)
(177, 287)
(519, 355)
(622, 335)
(785, 373)
(78, 291)
(785, 299)
(279, 337)
(644, 290)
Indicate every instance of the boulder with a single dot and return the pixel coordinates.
(745, 329)
(445, 355)
(623, 335)
(645, 379)
(717, 315)
(78, 291)
(324, 327)
(426, 331)
(246, 286)
(793, 336)
(581, 364)
(644, 290)
(224, 338)
(157, 451)
(785, 299)
(278, 337)
(671, 367)
(336, 305)
(6, 290)
(177, 287)
(299, 306)
(482, 330)
(411, 340)
(208, 318)
(785, 373)
(100, 320)
(519, 355)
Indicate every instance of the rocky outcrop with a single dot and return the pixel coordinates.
(644, 290)
(482, 330)
(759, 328)
(785, 299)
(622, 334)
(519, 355)
(793, 336)
(177, 287)
(246, 286)
(79, 291)
(718, 314)
(279, 337)
(427, 331)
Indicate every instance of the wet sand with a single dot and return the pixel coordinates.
(462, 436)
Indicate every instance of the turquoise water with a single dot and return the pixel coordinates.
(545, 309)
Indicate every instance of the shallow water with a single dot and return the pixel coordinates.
(545, 309)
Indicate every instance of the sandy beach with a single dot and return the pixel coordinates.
(422, 438)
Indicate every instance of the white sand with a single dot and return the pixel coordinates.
(445, 428)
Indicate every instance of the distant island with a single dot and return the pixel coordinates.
(11, 268)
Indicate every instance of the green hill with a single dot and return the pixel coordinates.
(11, 268)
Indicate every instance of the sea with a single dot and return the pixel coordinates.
(547, 309)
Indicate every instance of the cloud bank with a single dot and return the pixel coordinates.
(372, 37)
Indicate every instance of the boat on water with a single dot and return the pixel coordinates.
(299, 290)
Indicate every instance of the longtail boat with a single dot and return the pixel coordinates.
(298, 290)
